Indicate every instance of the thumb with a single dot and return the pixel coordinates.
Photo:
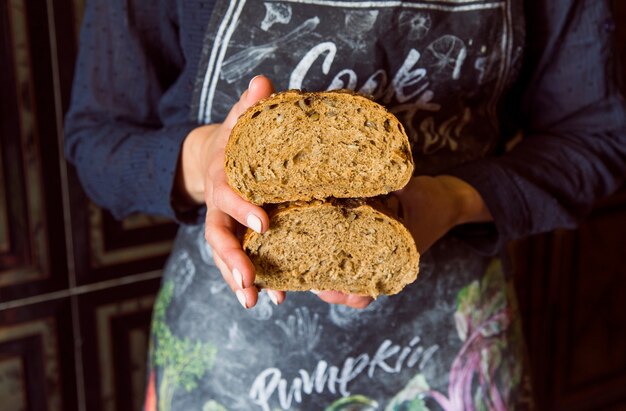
(260, 87)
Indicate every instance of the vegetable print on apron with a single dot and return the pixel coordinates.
(449, 341)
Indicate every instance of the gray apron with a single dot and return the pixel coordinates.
(449, 341)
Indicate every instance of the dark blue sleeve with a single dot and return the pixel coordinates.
(573, 150)
(124, 129)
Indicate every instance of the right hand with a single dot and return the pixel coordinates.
(203, 180)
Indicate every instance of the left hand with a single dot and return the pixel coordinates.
(202, 179)
(432, 206)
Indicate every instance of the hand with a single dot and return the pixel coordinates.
(202, 179)
(351, 300)
(434, 205)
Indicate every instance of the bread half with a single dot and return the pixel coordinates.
(348, 246)
(299, 146)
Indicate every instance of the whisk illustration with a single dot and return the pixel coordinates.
(244, 62)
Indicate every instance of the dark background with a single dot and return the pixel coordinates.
(77, 287)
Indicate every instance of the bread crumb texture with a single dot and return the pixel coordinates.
(303, 146)
(333, 246)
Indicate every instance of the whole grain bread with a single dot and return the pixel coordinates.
(349, 246)
(297, 146)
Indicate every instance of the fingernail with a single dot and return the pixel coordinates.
(273, 296)
(242, 298)
(238, 278)
(254, 223)
(316, 292)
(252, 79)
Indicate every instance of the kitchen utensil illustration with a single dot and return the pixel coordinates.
(244, 62)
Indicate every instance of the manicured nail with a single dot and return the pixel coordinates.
(316, 292)
(251, 80)
(238, 278)
(254, 223)
(273, 296)
(242, 298)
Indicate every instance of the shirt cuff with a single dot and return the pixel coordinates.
(152, 172)
(503, 200)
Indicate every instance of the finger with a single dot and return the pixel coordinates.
(247, 297)
(227, 200)
(228, 276)
(277, 297)
(359, 301)
(351, 300)
(219, 234)
(260, 87)
(222, 196)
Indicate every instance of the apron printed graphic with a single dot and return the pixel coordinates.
(452, 341)
(439, 66)
(449, 341)
(484, 370)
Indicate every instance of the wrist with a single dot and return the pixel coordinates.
(468, 203)
(191, 169)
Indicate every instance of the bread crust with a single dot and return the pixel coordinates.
(324, 146)
(324, 165)
(370, 277)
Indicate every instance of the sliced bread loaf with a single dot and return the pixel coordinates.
(297, 146)
(348, 246)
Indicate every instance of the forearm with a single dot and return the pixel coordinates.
(127, 169)
(190, 173)
(432, 206)
(574, 125)
(123, 131)
(548, 181)
(470, 206)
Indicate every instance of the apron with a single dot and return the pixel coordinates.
(449, 341)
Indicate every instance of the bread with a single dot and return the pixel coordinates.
(319, 156)
(348, 246)
(299, 146)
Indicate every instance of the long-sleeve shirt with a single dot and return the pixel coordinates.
(463, 78)
(136, 76)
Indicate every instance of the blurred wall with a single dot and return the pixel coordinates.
(77, 287)
(572, 291)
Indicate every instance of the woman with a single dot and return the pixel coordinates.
(159, 86)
